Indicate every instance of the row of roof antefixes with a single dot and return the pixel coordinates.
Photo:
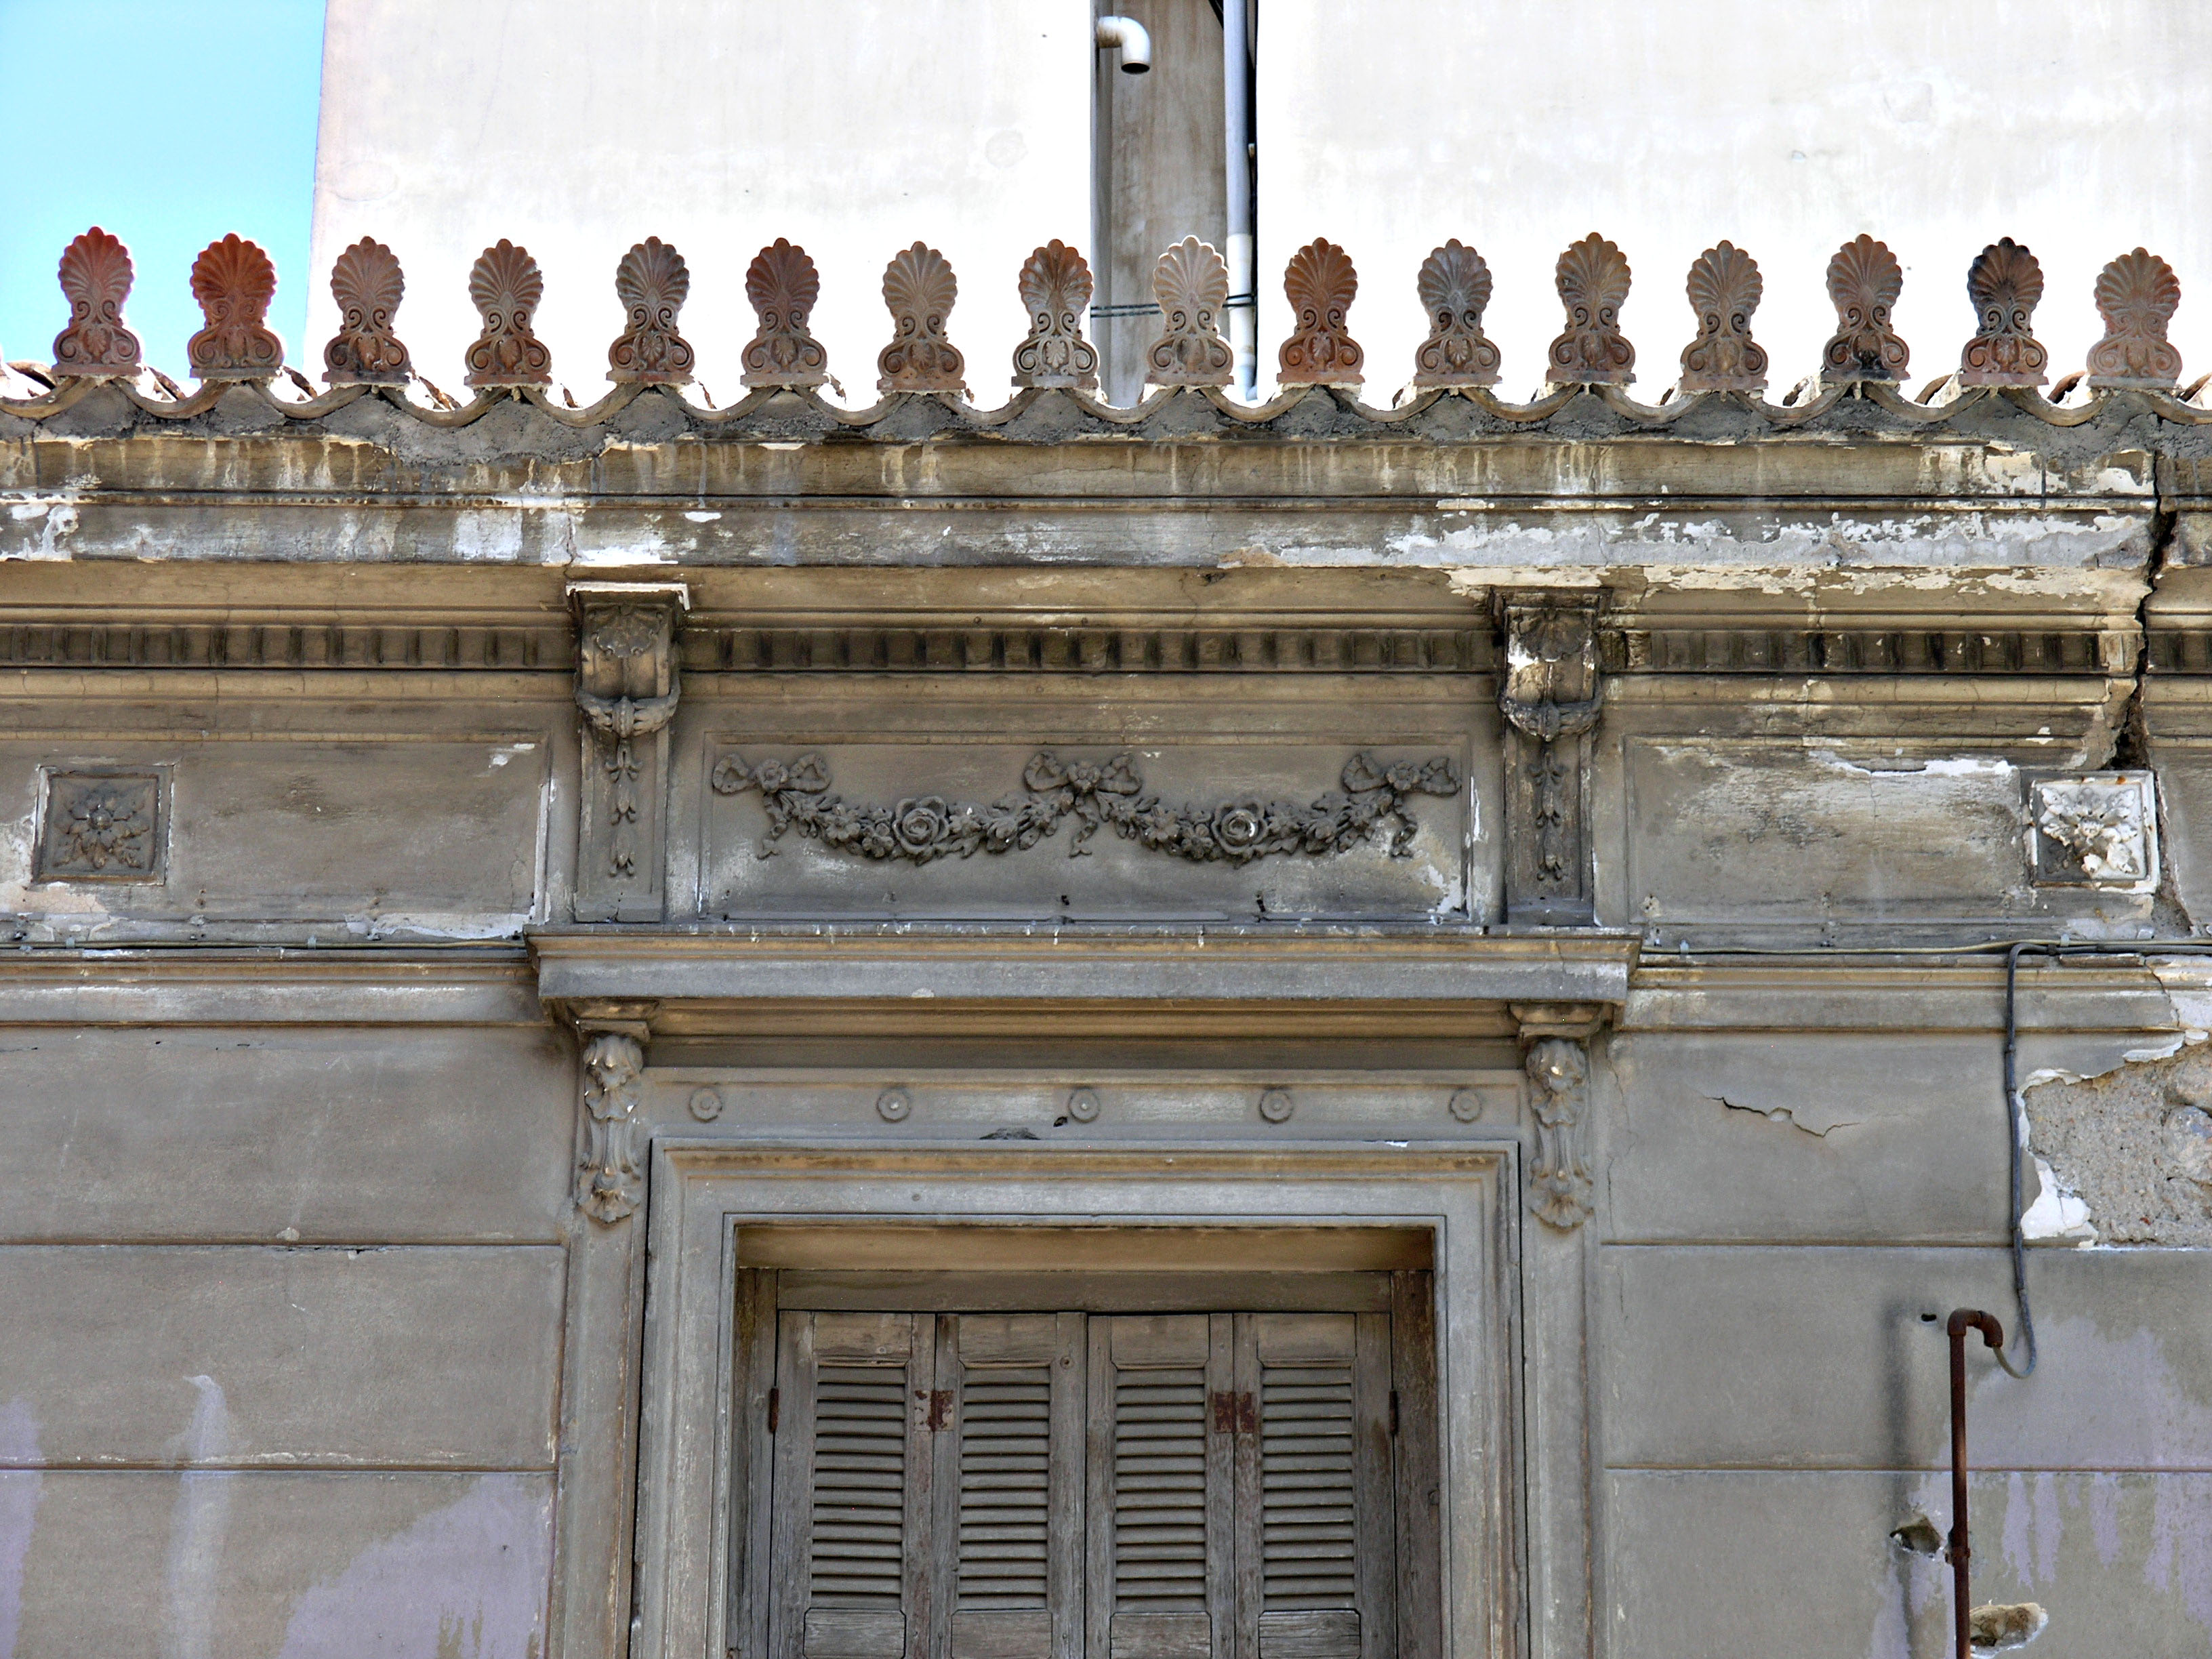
(233, 281)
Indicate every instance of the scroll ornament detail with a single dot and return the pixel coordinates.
(95, 277)
(1191, 283)
(1056, 288)
(918, 288)
(2005, 282)
(652, 281)
(367, 283)
(234, 282)
(1724, 289)
(1558, 1176)
(505, 286)
(1592, 278)
(1864, 280)
(626, 632)
(783, 286)
(2137, 294)
(1094, 794)
(610, 1180)
(1320, 282)
(1453, 285)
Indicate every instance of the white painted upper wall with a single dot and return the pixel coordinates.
(579, 127)
(1786, 126)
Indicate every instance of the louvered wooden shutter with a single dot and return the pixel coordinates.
(851, 1576)
(1159, 1524)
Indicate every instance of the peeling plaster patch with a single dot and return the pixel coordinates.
(1814, 1122)
(1995, 1629)
(20, 1491)
(2126, 1144)
(2058, 1212)
(487, 537)
(466, 1581)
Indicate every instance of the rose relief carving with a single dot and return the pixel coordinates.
(100, 826)
(2096, 830)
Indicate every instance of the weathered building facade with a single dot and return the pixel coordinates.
(1194, 1031)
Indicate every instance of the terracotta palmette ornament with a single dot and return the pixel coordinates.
(783, 286)
(95, 277)
(1454, 289)
(1055, 287)
(918, 289)
(1320, 283)
(1864, 280)
(652, 281)
(366, 282)
(1592, 277)
(1724, 289)
(2004, 282)
(505, 286)
(234, 282)
(2137, 294)
(1190, 283)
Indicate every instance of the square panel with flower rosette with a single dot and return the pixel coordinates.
(101, 826)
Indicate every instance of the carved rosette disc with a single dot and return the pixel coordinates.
(918, 289)
(1055, 287)
(652, 281)
(2004, 282)
(1190, 283)
(1455, 289)
(1724, 289)
(1864, 280)
(1592, 278)
(366, 282)
(95, 277)
(783, 286)
(2137, 294)
(234, 282)
(1320, 283)
(505, 286)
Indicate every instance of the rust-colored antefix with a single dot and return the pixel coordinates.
(782, 285)
(1190, 283)
(1864, 280)
(1454, 289)
(505, 286)
(1320, 283)
(1724, 290)
(2004, 282)
(1592, 278)
(652, 281)
(95, 277)
(918, 288)
(366, 283)
(1055, 287)
(234, 282)
(2137, 294)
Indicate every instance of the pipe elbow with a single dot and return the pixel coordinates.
(1133, 38)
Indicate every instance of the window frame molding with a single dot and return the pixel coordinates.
(691, 1486)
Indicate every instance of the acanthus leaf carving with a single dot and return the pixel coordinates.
(234, 282)
(2004, 282)
(628, 687)
(783, 286)
(2137, 294)
(919, 290)
(1320, 282)
(1056, 288)
(367, 283)
(1551, 696)
(1559, 1187)
(609, 1175)
(652, 281)
(1095, 794)
(1454, 286)
(1864, 280)
(1724, 289)
(1592, 277)
(505, 285)
(1190, 284)
(95, 276)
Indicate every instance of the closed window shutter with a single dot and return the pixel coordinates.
(1159, 1523)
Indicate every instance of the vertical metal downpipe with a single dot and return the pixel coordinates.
(1237, 122)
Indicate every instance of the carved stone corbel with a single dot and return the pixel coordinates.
(1555, 1051)
(627, 688)
(1551, 698)
(609, 1175)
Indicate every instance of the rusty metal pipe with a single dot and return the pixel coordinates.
(1963, 1320)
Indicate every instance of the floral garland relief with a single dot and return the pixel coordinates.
(923, 827)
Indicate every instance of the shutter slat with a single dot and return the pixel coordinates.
(856, 1549)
